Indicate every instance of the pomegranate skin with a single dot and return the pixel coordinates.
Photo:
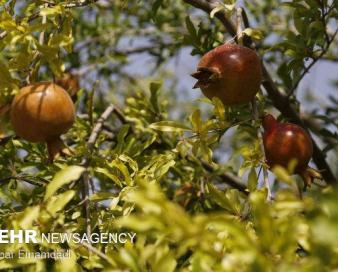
(284, 142)
(230, 72)
(41, 112)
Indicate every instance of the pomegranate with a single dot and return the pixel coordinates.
(41, 112)
(230, 72)
(284, 142)
(70, 83)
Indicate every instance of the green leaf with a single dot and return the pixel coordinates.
(29, 215)
(129, 260)
(11, 263)
(167, 263)
(156, 5)
(123, 132)
(109, 175)
(228, 7)
(67, 264)
(192, 31)
(252, 180)
(219, 109)
(195, 119)
(58, 202)
(215, 10)
(154, 91)
(123, 169)
(56, 10)
(219, 197)
(99, 196)
(254, 33)
(283, 175)
(63, 177)
(169, 126)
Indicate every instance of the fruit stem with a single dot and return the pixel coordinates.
(269, 122)
(239, 32)
(56, 148)
(260, 138)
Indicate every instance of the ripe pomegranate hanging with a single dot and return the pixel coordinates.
(41, 112)
(230, 72)
(284, 142)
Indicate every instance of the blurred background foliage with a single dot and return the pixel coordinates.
(164, 164)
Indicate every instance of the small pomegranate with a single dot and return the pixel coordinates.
(70, 83)
(284, 142)
(41, 112)
(230, 72)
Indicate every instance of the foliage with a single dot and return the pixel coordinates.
(161, 168)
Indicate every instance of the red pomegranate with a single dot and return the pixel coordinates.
(41, 112)
(230, 72)
(284, 142)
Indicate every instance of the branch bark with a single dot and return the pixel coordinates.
(85, 176)
(231, 180)
(98, 127)
(280, 100)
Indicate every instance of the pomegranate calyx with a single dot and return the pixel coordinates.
(308, 175)
(269, 122)
(205, 76)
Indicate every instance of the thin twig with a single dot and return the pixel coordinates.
(255, 115)
(97, 252)
(245, 18)
(80, 3)
(323, 19)
(227, 178)
(22, 178)
(239, 26)
(44, 21)
(37, 54)
(86, 201)
(86, 162)
(98, 127)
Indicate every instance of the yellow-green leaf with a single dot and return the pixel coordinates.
(63, 177)
(169, 126)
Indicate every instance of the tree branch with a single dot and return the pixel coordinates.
(98, 253)
(227, 178)
(80, 3)
(85, 176)
(280, 101)
(98, 127)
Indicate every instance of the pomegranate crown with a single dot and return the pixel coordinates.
(269, 122)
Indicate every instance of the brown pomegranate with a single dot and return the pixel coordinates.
(230, 72)
(41, 112)
(284, 142)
